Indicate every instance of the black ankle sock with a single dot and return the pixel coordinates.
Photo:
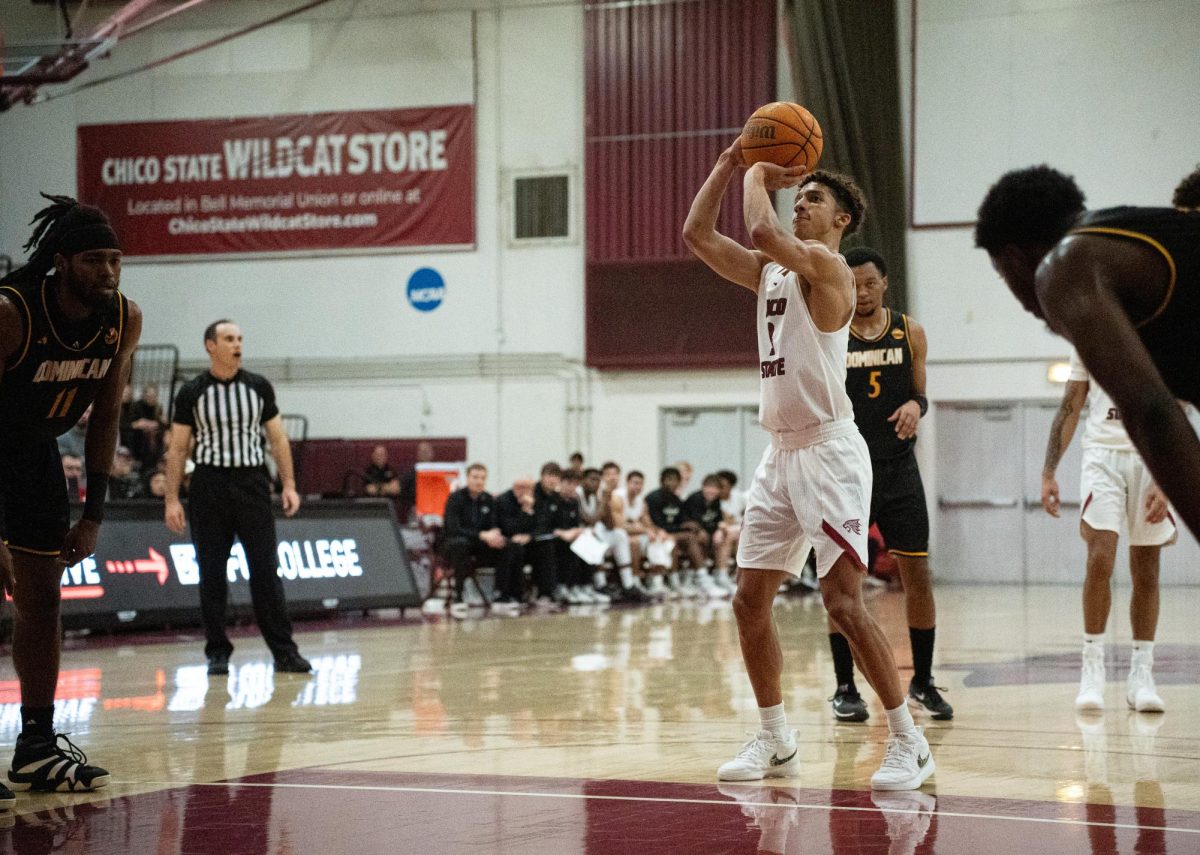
(922, 653)
(843, 659)
(37, 721)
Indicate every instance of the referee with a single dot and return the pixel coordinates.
(226, 411)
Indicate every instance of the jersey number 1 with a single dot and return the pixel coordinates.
(62, 403)
(875, 387)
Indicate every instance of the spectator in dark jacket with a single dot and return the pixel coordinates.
(514, 509)
(710, 537)
(552, 569)
(471, 530)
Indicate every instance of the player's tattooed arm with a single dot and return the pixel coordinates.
(1061, 432)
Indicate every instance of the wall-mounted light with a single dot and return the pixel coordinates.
(1058, 372)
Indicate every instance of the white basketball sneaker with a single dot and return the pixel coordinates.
(1142, 694)
(1091, 682)
(907, 763)
(764, 756)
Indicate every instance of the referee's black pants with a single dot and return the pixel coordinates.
(228, 503)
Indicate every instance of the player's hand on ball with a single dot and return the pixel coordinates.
(906, 417)
(79, 543)
(1156, 506)
(733, 154)
(7, 580)
(1050, 499)
(777, 177)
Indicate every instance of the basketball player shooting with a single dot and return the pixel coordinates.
(814, 480)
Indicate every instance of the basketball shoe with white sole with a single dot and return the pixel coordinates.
(907, 763)
(1141, 694)
(1091, 681)
(53, 765)
(764, 756)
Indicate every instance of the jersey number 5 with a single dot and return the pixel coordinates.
(875, 387)
(62, 403)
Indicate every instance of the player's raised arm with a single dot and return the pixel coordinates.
(1078, 296)
(724, 255)
(815, 261)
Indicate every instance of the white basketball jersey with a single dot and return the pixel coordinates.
(803, 370)
(1104, 428)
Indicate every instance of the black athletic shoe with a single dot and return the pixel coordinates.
(929, 699)
(848, 705)
(218, 664)
(293, 663)
(7, 800)
(53, 765)
(635, 594)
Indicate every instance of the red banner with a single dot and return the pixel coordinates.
(321, 181)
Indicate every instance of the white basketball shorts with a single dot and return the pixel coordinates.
(819, 495)
(1114, 484)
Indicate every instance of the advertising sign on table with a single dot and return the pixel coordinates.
(361, 180)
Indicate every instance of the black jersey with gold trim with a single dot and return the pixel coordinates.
(1172, 332)
(878, 380)
(56, 372)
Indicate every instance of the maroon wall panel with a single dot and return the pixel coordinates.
(668, 86)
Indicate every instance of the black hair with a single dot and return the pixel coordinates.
(860, 255)
(848, 195)
(590, 471)
(668, 472)
(1032, 206)
(728, 475)
(65, 227)
(635, 473)
(551, 468)
(476, 466)
(210, 331)
(578, 454)
(1187, 193)
(712, 480)
(610, 464)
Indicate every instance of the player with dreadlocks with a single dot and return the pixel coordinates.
(67, 337)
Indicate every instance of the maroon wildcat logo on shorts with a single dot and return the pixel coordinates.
(854, 526)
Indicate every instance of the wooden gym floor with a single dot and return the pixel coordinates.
(600, 731)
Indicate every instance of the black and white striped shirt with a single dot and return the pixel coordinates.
(227, 418)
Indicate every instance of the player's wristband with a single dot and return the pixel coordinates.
(97, 492)
(923, 403)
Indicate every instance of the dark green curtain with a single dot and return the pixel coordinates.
(845, 69)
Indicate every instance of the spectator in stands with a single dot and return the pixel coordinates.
(157, 485)
(72, 465)
(74, 441)
(123, 482)
(555, 567)
(595, 513)
(685, 478)
(733, 507)
(514, 508)
(706, 519)
(471, 532)
(613, 528)
(148, 425)
(125, 425)
(407, 499)
(573, 571)
(663, 520)
(379, 479)
(575, 463)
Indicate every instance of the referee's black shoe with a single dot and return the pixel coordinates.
(293, 663)
(925, 696)
(848, 704)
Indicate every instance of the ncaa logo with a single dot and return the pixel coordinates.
(426, 289)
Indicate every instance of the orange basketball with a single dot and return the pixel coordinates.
(783, 133)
